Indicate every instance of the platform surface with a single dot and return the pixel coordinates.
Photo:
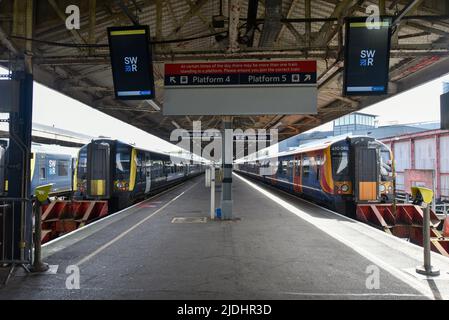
(280, 247)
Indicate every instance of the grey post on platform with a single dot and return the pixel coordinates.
(227, 156)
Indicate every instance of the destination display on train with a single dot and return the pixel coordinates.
(367, 57)
(217, 74)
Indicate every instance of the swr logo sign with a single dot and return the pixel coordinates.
(130, 64)
(367, 58)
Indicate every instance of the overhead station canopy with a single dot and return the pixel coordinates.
(77, 62)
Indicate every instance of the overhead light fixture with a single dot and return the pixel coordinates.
(218, 21)
(154, 105)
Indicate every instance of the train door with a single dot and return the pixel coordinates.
(98, 170)
(297, 173)
(366, 174)
(147, 173)
(2, 169)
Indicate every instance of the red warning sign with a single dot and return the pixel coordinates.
(241, 73)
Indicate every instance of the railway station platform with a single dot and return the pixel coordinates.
(278, 247)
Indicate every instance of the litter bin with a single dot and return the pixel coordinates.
(218, 213)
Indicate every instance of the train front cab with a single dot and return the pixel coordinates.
(93, 178)
(363, 173)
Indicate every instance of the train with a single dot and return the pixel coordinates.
(123, 174)
(338, 172)
(50, 164)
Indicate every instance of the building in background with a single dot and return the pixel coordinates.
(353, 122)
(422, 159)
(358, 124)
(445, 87)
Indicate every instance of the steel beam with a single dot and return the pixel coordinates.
(234, 18)
(412, 5)
(251, 21)
(186, 18)
(158, 19)
(402, 51)
(205, 21)
(7, 43)
(128, 13)
(272, 24)
(92, 24)
(329, 29)
(289, 26)
(172, 14)
(308, 28)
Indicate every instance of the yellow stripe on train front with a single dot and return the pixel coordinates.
(328, 168)
(75, 175)
(132, 176)
(98, 187)
(33, 163)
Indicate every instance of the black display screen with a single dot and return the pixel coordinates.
(367, 56)
(132, 62)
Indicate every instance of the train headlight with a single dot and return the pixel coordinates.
(382, 188)
(345, 188)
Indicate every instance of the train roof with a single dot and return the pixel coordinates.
(310, 146)
(143, 149)
(54, 149)
(47, 148)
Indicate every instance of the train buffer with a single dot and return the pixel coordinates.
(62, 216)
(406, 223)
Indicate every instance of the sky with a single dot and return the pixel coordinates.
(421, 104)
(52, 108)
(55, 109)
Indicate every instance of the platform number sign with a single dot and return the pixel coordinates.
(132, 62)
(367, 57)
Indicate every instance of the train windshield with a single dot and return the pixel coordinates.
(386, 170)
(123, 162)
(340, 164)
(82, 164)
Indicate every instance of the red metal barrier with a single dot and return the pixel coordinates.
(62, 216)
(406, 223)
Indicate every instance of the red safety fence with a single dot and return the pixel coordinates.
(63, 216)
(406, 223)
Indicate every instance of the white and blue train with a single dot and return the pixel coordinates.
(50, 164)
(54, 165)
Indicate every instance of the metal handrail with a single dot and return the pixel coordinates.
(7, 205)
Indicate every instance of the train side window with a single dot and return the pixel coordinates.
(318, 167)
(290, 167)
(42, 173)
(156, 169)
(141, 166)
(298, 167)
(63, 168)
(305, 167)
(284, 167)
